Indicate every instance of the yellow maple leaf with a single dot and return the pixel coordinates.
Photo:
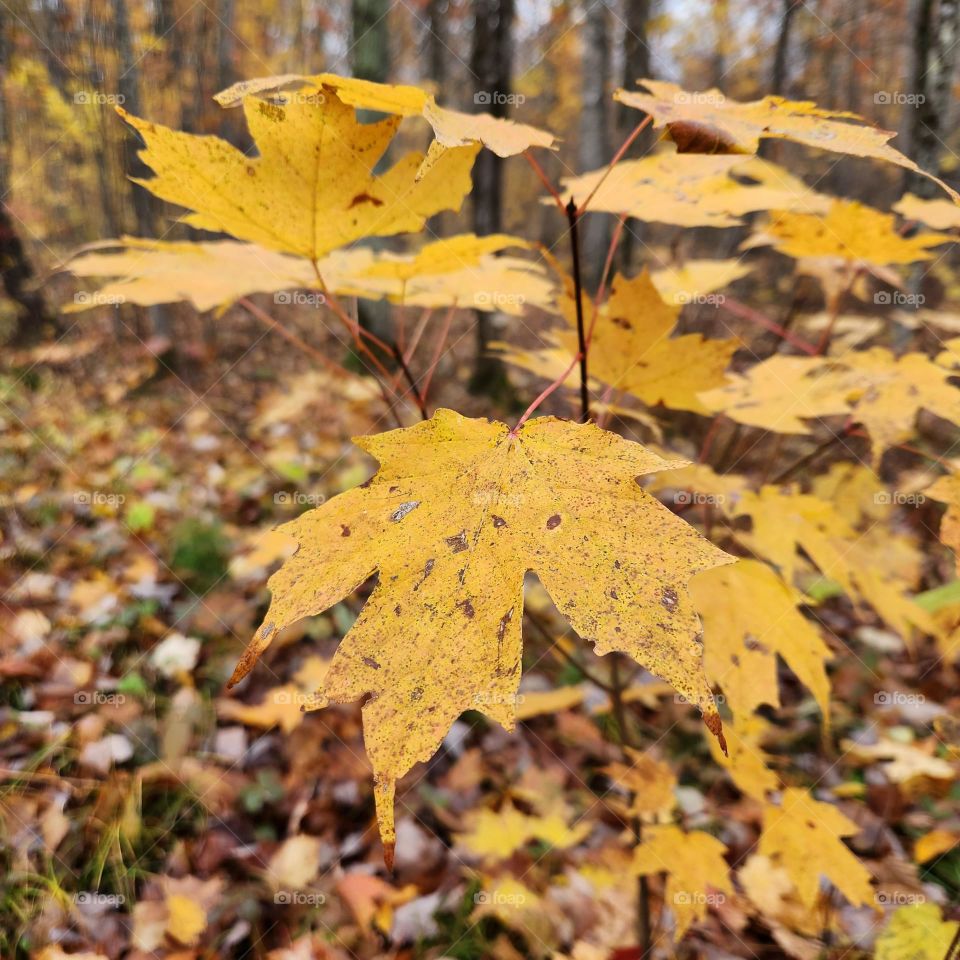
(697, 875)
(710, 122)
(459, 270)
(745, 760)
(691, 190)
(939, 214)
(750, 617)
(459, 511)
(650, 782)
(497, 834)
(916, 932)
(912, 766)
(849, 231)
(947, 490)
(451, 127)
(633, 350)
(696, 279)
(186, 918)
(312, 187)
(785, 521)
(874, 387)
(934, 844)
(804, 836)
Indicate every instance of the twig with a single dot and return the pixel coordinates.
(545, 180)
(741, 310)
(572, 219)
(617, 157)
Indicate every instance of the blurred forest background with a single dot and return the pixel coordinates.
(66, 157)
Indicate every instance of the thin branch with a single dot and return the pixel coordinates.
(741, 310)
(617, 157)
(573, 218)
(545, 180)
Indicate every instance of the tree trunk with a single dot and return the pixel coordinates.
(145, 205)
(34, 318)
(779, 77)
(491, 63)
(594, 144)
(636, 66)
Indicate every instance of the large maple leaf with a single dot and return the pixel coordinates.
(459, 512)
(312, 188)
(710, 122)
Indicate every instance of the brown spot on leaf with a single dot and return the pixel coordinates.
(427, 570)
(553, 522)
(669, 598)
(365, 198)
(370, 662)
(468, 610)
(498, 521)
(458, 542)
(344, 530)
